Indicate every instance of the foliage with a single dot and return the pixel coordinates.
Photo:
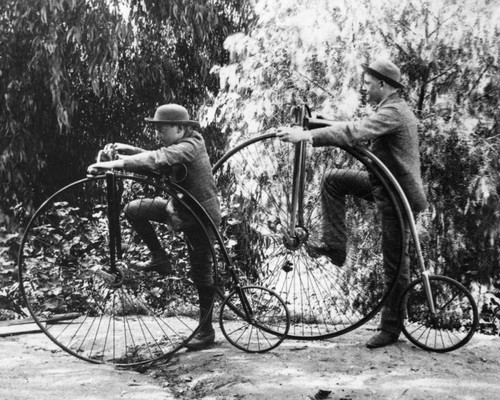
(49, 51)
(448, 52)
(66, 262)
(77, 74)
(255, 186)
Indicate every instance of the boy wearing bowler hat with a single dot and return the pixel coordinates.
(184, 154)
(392, 135)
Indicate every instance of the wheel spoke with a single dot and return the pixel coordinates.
(114, 312)
(454, 322)
(324, 300)
(265, 330)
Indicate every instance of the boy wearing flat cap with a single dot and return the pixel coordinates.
(392, 134)
(184, 152)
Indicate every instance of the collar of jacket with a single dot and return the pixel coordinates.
(392, 96)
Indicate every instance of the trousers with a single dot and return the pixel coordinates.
(338, 184)
(141, 212)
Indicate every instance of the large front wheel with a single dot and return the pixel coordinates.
(274, 247)
(79, 271)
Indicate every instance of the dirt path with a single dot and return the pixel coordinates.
(32, 367)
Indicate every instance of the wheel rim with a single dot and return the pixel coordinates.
(107, 313)
(254, 319)
(454, 323)
(324, 300)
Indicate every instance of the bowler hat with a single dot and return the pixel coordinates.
(171, 114)
(385, 70)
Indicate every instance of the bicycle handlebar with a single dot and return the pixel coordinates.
(107, 154)
(315, 123)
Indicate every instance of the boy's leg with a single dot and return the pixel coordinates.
(206, 335)
(139, 213)
(200, 256)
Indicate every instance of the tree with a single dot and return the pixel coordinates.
(77, 74)
(49, 51)
(448, 52)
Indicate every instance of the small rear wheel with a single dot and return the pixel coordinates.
(254, 319)
(450, 327)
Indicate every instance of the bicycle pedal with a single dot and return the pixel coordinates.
(107, 277)
(287, 266)
(98, 271)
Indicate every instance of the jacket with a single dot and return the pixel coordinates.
(393, 136)
(187, 164)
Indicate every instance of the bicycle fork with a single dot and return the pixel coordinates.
(296, 233)
(428, 292)
(247, 314)
(115, 275)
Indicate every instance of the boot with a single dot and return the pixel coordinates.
(205, 337)
(159, 263)
(337, 256)
(382, 339)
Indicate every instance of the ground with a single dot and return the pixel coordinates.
(34, 368)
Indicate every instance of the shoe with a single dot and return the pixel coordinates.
(382, 339)
(159, 263)
(202, 340)
(162, 268)
(336, 256)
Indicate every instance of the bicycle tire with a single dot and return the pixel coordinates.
(109, 313)
(254, 319)
(456, 317)
(255, 179)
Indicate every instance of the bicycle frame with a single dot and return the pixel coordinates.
(200, 213)
(302, 117)
(404, 201)
(114, 230)
(297, 216)
(411, 222)
(279, 198)
(114, 227)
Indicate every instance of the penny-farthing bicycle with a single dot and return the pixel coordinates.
(77, 278)
(272, 192)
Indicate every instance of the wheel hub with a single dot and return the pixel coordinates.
(295, 241)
